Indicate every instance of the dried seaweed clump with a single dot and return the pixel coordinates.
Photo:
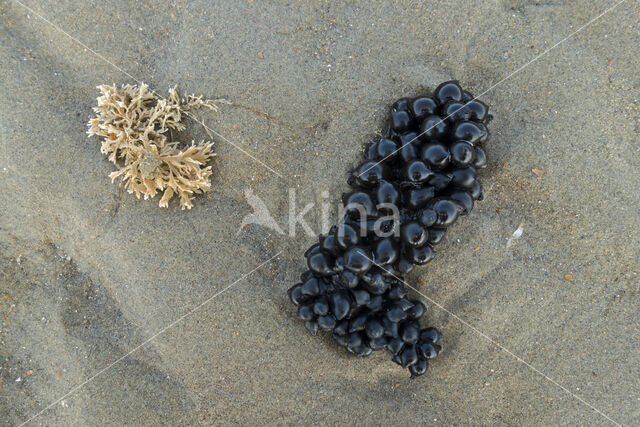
(133, 123)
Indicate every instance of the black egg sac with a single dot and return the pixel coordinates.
(425, 169)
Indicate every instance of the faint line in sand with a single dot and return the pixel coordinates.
(148, 340)
(503, 80)
(186, 113)
(500, 346)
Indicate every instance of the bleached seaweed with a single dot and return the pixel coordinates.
(132, 123)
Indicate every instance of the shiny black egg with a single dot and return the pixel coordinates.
(386, 193)
(469, 131)
(408, 152)
(358, 324)
(400, 120)
(430, 334)
(481, 158)
(321, 306)
(419, 197)
(376, 303)
(369, 174)
(327, 322)
(305, 312)
(311, 287)
(446, 211)
(419, 368)
(360, 297)
(477, 110)
(428, 217)
(320, 264)
(448, 91)
(385, 150)
(311, 326)
(417, 171)
(476, 190)
(428, 349)
(328, 244)
(358, 204)
(295, 294)
(421, 255)
(404, 266)
(409, 334)
(439, 180)
(398, 292)
(414, 234)
(396, 314)
(349, 279)
(436, 235)
(433, 128)
(464, 177)
(436, 156)
(423, 106)
(395, 345)
(385, 251)
(409, 356)
(340, 305)
(357, 260)
(346, 236)
(374, 329)
(416, 311)
(462, 153)
(378, 343)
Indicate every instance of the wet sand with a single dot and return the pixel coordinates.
(89, 273)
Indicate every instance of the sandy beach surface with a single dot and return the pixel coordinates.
(98, 289)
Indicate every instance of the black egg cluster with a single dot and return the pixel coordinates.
(411, 187)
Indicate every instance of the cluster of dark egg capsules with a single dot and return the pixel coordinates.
(411, 187)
